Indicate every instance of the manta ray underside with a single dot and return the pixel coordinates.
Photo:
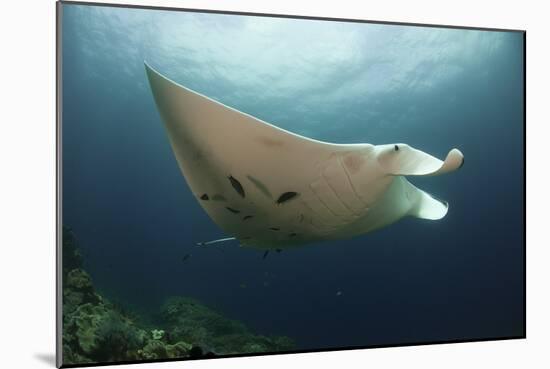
(273, 189)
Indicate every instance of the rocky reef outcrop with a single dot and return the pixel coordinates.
(188, 320)
(96, 330)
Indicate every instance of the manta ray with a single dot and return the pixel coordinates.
(273, 189)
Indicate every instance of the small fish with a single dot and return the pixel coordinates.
(265, 254)
(234, 211)
(266, 283)
(339, 293)
(236, 186)
(286, 196)
(260, 186)
(215, 241)
(185, 257)
(247, 217)
(242, 285)
(275, 229)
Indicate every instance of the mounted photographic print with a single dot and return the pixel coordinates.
(238, 184)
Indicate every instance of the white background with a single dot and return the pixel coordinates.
(27, 182)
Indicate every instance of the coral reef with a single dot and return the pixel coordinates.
(157, 334)
(190, 321)
(96, 330)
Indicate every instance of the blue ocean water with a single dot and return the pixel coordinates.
(435, 89)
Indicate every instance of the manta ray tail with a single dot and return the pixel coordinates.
(215, 241)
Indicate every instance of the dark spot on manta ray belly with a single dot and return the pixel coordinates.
(236, 185)
(204, 197)
(247, 217)
(234, 211)
(396, 148)
(286, 196)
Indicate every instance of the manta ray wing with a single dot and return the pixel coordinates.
(271, 188)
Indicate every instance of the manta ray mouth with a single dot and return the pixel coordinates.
(443, 202)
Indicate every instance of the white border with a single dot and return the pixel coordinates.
(27, 182)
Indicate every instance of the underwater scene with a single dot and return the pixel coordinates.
(381, 204)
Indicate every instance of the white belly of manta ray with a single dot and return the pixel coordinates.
(272, 189)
